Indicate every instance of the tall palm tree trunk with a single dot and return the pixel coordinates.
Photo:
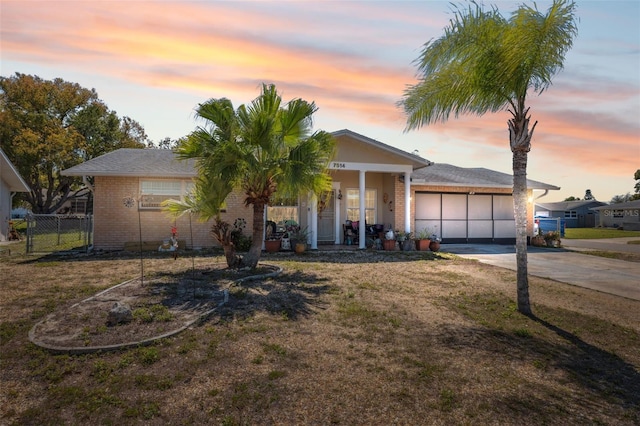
(520, 140)
(520, 212)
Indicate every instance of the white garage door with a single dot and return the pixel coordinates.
(467, 218)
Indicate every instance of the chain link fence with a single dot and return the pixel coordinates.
(50, 232)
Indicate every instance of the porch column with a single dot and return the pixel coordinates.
(407, 202)
(337, 210)
(314, 222)
(363, 221)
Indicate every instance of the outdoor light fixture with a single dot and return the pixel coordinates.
(339, 194)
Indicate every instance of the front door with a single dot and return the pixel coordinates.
(327, 218)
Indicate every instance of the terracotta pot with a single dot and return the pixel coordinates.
(389, 245)
(434, 245)
(422, 245)
(272, 246)
(538, 241)
(300, 247)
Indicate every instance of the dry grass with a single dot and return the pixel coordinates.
(358, 338)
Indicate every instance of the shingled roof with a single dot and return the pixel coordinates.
(447, 175)
(570, 205)
(135, 162)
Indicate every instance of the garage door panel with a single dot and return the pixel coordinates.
(454, 229)
(432, 225)
(480, 229)
(480, 207)
(502, 207)
(428, 206)
(505, 229)
(454, 206)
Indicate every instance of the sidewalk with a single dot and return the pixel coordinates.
(611, 276)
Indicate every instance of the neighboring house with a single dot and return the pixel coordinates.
(576, 214)
(401, 190)
(620, 215)
(10, 183)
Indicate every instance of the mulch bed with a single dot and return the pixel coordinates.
(187, 297)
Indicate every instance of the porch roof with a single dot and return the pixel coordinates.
(414, 160)
(440, 174)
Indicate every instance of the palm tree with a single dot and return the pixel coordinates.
(487, 63)
(263, 148)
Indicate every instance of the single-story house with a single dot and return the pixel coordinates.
(620, 215)
(576, 214)
(10, 183)
(401, 190)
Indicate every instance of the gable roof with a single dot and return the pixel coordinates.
(10, 175)
(441, 174)
(415, 160)
(570, 205)
(635, 204)
(164, 163)
(135, 162)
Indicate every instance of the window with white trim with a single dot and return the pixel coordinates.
(570, 214)
(154, 192)
(353, 205)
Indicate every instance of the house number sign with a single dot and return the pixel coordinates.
(338, 165)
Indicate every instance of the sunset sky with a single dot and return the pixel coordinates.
(154, 61)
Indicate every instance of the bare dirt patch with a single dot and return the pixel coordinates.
(162, 304)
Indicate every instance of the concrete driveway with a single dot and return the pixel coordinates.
(612, 276)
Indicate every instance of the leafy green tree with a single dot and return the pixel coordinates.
(623, 198)
(261, 148)
(487, 63)
(166, 143)
(572, 198)
(49, 125)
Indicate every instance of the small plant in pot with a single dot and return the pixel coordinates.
(434, 245)
(405, 240)
(552, 238)
(389, 242)
(299, 238)
(423, 239)
(538, 240)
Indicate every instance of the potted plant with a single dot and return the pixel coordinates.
(389, 242)
(538, 240)
(405, 240)
(423, 239)
(272, 245)
(300, 236)
(434, 245)
(552, 238)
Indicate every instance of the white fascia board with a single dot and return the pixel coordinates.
(370, 167)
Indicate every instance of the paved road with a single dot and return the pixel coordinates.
(611, 276)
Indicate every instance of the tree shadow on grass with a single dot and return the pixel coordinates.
(290, 294)
(606, 378)
(598, 370)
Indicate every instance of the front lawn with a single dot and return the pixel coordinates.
(594, 233)
(357, 338)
